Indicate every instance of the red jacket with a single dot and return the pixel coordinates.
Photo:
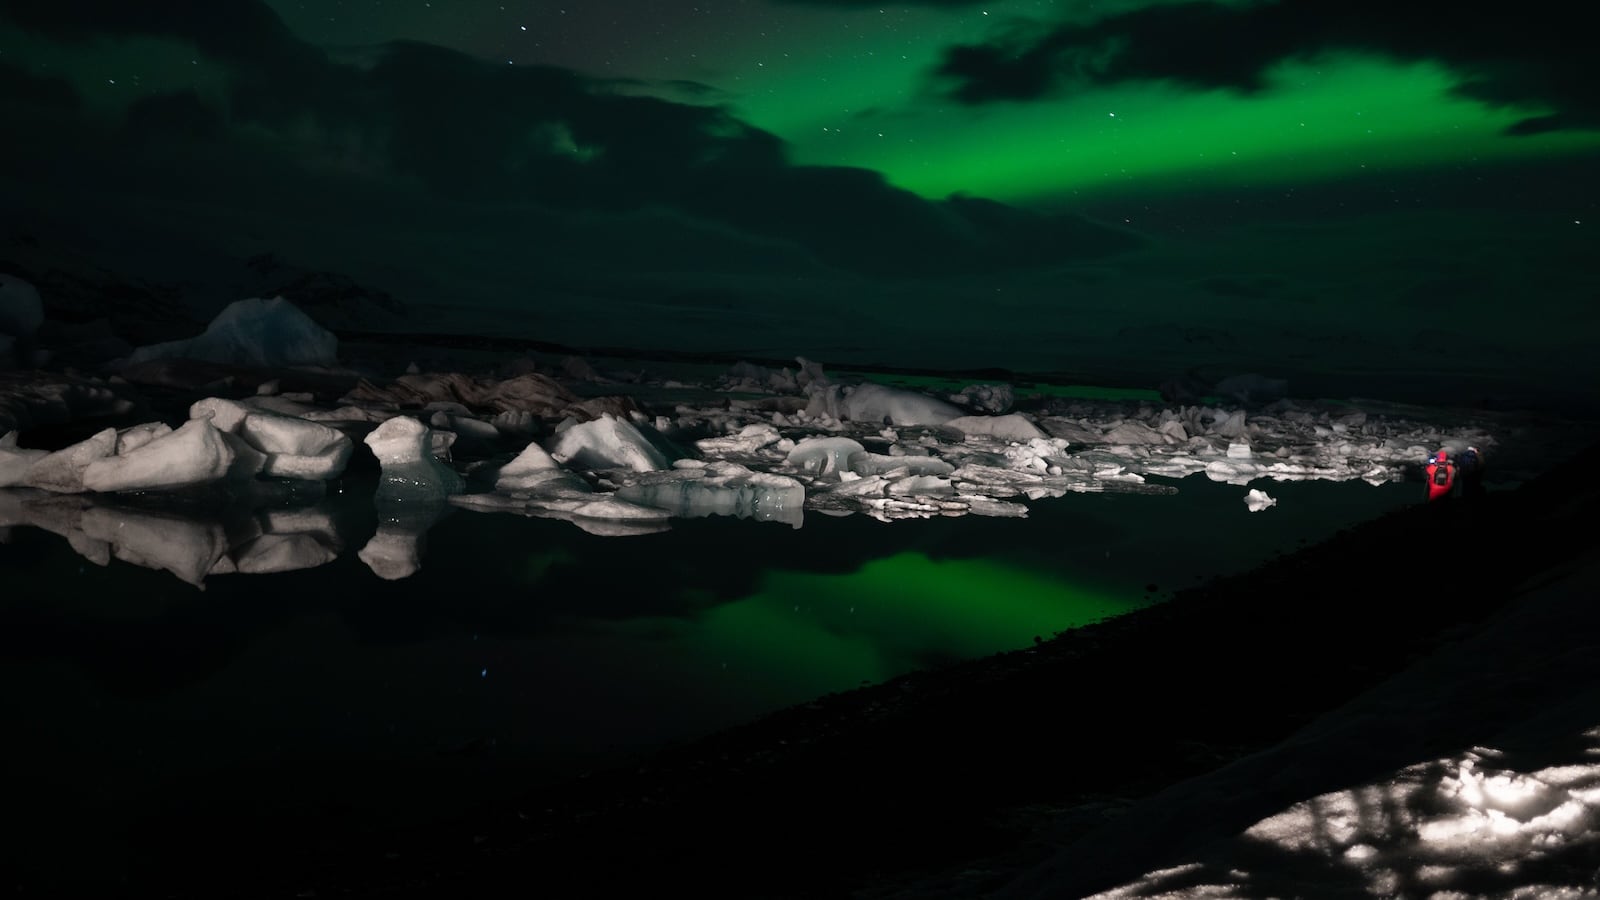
(1441, 478)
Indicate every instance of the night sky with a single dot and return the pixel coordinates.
(1127, 188)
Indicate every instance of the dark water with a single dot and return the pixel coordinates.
(147, 718)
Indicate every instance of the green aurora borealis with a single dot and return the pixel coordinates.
(1296, 186)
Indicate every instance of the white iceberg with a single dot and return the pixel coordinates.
(817, 456)
(608, 443)
(880, 404)
(410, 472)
(1009, 427)
(196, 453)
(16, 462)
(292, 447)
(720, 489)
(62, 471)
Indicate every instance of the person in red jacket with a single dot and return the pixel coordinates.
(1441, 474)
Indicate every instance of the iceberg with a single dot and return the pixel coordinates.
(411, 474)
(292, 447)
(879, 404)
(254, 332)
(194, 454)
(21, 314)
(16, 462)
(62, 471)
(1010, 427)
(823, 455)
(608, 443)
(720, 489)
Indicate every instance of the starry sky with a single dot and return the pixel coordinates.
(1121, 187)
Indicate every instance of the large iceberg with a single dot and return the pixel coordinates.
(21, 314)
(254, 332)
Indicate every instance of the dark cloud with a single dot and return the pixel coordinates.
(879, 4)
(236, 31)
(1538, 54)
(480, 133)
(19, 86)
(180, 115)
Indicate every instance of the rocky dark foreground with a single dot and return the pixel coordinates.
(949, 783)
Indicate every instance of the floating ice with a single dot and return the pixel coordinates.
(879, 404)
(720, 489)
(608, 443)
(196, 453)
(16, 462)
(1009, 427)
(62, 471)
(293, 447)
(864, 463)
(411, 474)
(823, 455)
(254, 332)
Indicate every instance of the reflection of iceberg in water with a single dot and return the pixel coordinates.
(719, 489)
(404, 517)
(413, 493)
(191, 547)
(535, 484)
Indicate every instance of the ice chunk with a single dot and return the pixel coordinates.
(16, 462)
(413, 493)
(608, 443)
(823, 455)
(720, 489)
(411, 473)
(880, 404)
(135, 436)
(196, 453)
(254, 332)
(750, 438)
(1135, 434)
(880, 464)
(533, 469)
(62, 471)
(293, 447)
(990, 398)
(1012, 427)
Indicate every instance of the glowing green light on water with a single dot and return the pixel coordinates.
(811, 633)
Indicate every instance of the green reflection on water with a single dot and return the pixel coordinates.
(804, 634)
